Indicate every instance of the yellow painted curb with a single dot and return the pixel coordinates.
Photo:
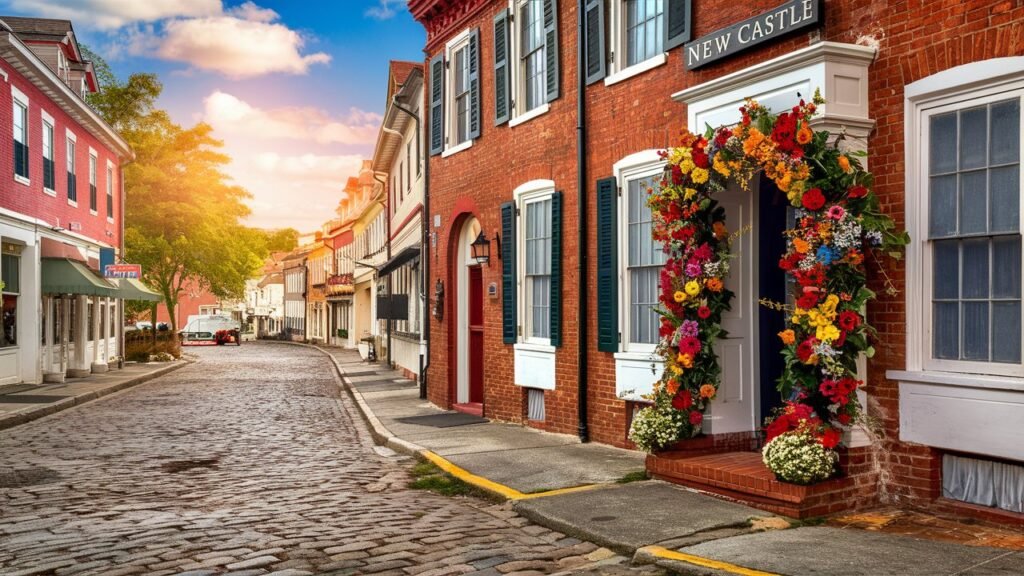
(705, 562)
(492, 486)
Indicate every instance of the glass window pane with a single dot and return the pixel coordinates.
(942, 206)
(1005, 136)
(976, 330)
(946, 330)
(973, 137)
(1006, 260)
(1006, 332)
(942, 144)
(1004, 198)
(946, 265)
(973, 202)
(975, 264)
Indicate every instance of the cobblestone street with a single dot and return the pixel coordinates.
(249, 461)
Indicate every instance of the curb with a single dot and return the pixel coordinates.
(20, 418)
(689, 564)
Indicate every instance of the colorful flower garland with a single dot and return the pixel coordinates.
(838, 223)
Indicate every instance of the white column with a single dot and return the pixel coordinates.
(99, 345)
(79, 367)
(48, 337)
(108, 330)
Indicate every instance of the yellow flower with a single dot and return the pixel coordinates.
(720, 166)
(679, 296)
(686, 166)
(788, 337)
(828, 307)
(844, 163)
(699, 175)
(827, 333)
(692, 288)
(686, 360)
(688, 194)
(707, 391)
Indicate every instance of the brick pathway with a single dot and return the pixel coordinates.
(248, 462)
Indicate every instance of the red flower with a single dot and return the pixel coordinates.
(667, 328)
(849, 320)
(689, 346)
(828, 388)
(722, 137)
(696, 418)
(807, 301)
(703, 312)
(813, 199)
(700, 158)
(830, 438)
(844, 419)
(703, 252)
(857, 191)
(839, 342)
(682, 400)
(776, 428)
(805, 349)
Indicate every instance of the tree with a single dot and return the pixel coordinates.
(125, 106)
(282, 240)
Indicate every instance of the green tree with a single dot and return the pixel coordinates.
(282, 240)
(126, 106)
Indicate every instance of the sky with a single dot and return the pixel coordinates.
(295, 89)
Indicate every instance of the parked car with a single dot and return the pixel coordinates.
(211, 329)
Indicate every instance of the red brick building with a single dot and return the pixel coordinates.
(930, 90)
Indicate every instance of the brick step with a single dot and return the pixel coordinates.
(743, 477)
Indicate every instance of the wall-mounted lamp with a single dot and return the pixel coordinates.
(481, 249)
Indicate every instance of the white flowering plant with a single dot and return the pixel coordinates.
(798, 457)
(654, 428)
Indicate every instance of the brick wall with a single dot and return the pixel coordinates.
(31, 200)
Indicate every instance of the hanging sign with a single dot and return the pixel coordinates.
(790, 17)
(122, 271)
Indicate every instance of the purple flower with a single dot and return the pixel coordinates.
(693, 269)
(688, 329)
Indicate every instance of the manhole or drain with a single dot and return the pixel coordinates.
(183, 465)
(27, 477)
(603, 518)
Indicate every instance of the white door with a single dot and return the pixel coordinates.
(734, 409)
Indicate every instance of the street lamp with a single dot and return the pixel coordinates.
(481, 249)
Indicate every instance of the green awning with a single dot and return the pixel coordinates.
(132, 289)
(63, 276)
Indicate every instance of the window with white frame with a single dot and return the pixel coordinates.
(20, 137)
(530, 51)
(536, 234)
(643, 262)
(93, 201)
(110, 190)
(644, 30)
(970, 181)
(640, 32)
(459, 129)
(72, 182)
(455, 94)
(10, 273)
(49, 168)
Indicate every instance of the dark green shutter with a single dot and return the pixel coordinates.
(508, 272)
(501, 69)
(607, 266)
(677, 30)
(593, 39)
(474, 84)
(437, 104)
(551, 72)
(556, 269)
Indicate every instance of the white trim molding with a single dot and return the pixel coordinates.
(636, 69)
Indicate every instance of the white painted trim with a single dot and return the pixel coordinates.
(93, 153)
(71, 135)
(524, 194)
(4, 74)
(47, 118)
(456, 149)
(73, 203)
(534, 366)
(93, 212)
(524, 118)
(453, 45)
(22, 180)
(965, 78)
(110, 220)
(49, 192)
(532, 187)
(19, 96)
(636, 69)
(954, 379)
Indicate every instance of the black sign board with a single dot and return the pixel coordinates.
(790, 17)
(394, 307)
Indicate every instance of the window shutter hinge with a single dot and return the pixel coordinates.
(611, 57)
(620, 337)
(619, 189)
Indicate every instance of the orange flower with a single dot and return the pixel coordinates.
(672, 387)
(707, 391)
(804, 135)
(686, 360)
(844, 163)
(720, 230)
(801, 245)
(788, 337)
(714, 284)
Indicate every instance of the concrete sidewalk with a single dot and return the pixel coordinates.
(571, 487)
(23, 403)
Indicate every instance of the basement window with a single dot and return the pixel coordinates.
(992, 483)
(535, 404)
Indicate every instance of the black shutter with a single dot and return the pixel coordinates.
(20, 159)
(678, 29)
(437, 104)
(48, 175)
(551, 72)
(607, 266)
(593, 38)
(508, 272)
(501, 68)
(556, 269)
(474, 84)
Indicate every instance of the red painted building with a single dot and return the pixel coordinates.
(931, 91)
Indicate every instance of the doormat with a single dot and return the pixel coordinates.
(446, 420)
(29, 399)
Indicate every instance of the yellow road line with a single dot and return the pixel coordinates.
(705, 562)
(492, 486)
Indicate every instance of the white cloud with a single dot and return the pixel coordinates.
(250, 11)
(385, 10)
(230, 115)
(111, 14)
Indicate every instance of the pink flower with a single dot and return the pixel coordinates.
(836, 212)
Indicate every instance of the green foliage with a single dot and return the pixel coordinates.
(282, 240)
(427, 476)
(635, 476)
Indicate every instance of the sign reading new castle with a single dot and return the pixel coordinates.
(789, 17)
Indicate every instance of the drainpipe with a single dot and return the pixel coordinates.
(424, 248)
(387, 245)
(581, 244)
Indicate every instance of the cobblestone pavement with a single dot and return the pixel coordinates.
(247, 462)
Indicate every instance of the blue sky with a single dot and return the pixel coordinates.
(294, 88)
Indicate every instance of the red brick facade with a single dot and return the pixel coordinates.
(914, 39)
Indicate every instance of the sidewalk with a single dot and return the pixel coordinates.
(23, 403)
(571, 487)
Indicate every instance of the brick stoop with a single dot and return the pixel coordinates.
(741, 476)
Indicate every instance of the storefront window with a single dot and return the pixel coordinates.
(10, 274)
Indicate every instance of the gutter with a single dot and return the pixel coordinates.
(387, 255)
(581, 243)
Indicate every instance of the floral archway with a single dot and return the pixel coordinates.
(838, 224)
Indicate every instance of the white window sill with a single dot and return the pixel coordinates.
(49, 192)
(962, 380)
(93, 212)
(534, 366)
(526, 117)
(22, 180)
(636, 69)
(636, 373)
(638, 356)
(110, 220)
(72, 203)
(456, 149)
(533, 347)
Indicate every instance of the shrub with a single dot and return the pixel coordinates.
(653, 429)
(799, 458)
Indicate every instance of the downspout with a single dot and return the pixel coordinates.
(581, 243)
(424, 249)
(387, 245)
(120, 302)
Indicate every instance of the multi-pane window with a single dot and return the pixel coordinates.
(10, 273)
(461, 76)
(110, 191)
(92, 183)
(531, 55)
(408, 165)
(49, 170)
(644, 261)
(973, 168)
(645, 29)
(72, 183)
(537, 237)
(20, 139)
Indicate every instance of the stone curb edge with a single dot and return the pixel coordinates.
(20, 418)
